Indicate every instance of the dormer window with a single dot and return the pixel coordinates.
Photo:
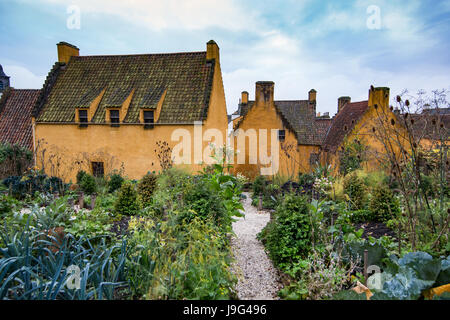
(149, 119)
(83, 118)
(114, 118)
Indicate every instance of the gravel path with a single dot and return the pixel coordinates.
(258, 279)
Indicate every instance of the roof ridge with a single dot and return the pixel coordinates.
(15, 89)
(290, 100)
(138, 54)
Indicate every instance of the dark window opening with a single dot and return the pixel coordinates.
(281, 135)
(114, 116)
(97, 169)
(83, 116)
(149, 119)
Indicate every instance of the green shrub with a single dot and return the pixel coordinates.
(426, 185)
(166, 262)
(201, 201)
(351, 156)
(14, 160)
(306, 179)
(29, 185)
(362, 215)
(259, 185)
(288, 237)
(88, 184)
(80, 176)
(127, 202)
(383, 204)
(356, 190)
(115, 182)
(146, 188)
(7, 204)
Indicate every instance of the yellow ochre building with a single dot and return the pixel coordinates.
(100, 113)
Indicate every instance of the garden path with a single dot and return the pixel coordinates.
(257, 277)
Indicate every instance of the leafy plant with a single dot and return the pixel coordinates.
(35, 265)
(351, 156)
(115, 182)
(146, 188)
(259, 185)
(88, 184)
(408, 277)
(127, 201)
(288, 237)
(80, 176)
(383, 204)
(167, 261)
(356, 190)
(14, 160)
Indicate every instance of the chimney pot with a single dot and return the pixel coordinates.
(212, 51)
(379, 96)
(66, 50)
(264, 92)
(244, 97)
(342, 101)
(312, 95)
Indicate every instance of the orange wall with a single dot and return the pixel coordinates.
(265, 116)
(363, 131)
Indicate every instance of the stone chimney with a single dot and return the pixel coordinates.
(312, 96)
(379, 97)
(342, 101)
(65, 51)
(264, 92)
(212, 51)
(244, 97)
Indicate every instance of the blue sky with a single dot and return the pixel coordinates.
(325, 45)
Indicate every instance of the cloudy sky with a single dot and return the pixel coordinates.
(336, 47)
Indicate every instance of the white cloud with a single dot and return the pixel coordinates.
(22, 78)
(169, 14)
(295, 70)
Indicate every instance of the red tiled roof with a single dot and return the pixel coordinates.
(431, 126)
(322, 127)
(15, 116)
(343, 123)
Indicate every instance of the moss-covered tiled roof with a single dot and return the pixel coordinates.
(185, 77)
(298, 115)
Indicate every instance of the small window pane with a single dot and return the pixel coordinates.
(149, 117)
(98, 169)
(82, 114)
(114, 115)
(281, 135)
